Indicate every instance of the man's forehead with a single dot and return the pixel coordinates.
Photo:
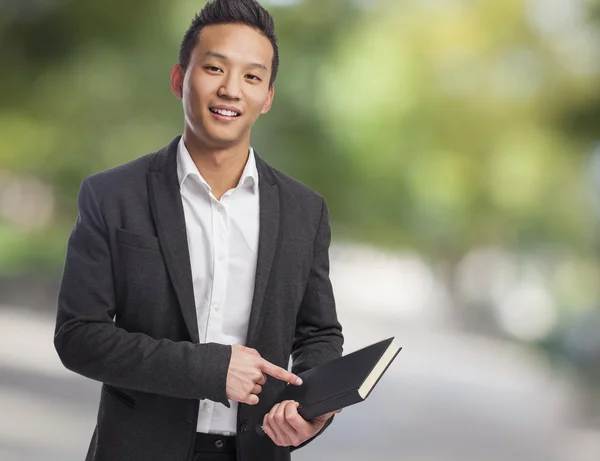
(234, 42)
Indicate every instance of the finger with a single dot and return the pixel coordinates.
(257, 389)
(287, 407)
(262, 381)
(252, 399)
(269, 424)
(269, 431)
(275, 427)
(289, 433)
(280, 373)
(298, 423)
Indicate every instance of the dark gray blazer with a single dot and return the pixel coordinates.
(126, 311)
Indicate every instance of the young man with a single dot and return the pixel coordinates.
(195, 272)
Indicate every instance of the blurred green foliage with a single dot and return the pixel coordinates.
(435, 125)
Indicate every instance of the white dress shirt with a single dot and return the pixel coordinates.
(223, 242)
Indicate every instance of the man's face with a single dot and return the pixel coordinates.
(228, 73)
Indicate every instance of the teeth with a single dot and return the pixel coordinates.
(226, 113)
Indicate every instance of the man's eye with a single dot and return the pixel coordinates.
(252, 77)
(212, 68)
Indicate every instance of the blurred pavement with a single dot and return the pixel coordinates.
(447, 397)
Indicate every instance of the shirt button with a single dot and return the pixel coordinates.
(205, 406)
(217, 308)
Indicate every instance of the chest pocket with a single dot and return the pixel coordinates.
(142, 242)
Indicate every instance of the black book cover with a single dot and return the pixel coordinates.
(336, 384)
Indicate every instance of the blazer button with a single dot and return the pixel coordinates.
(243, 427)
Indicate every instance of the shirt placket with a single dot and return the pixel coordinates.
(219, 284)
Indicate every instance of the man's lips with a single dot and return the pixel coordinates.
(223, 118)
(226, 111)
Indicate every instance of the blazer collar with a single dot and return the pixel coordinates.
(165, 160)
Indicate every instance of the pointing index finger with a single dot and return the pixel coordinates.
(280, 373)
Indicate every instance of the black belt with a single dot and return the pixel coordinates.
(214, 443)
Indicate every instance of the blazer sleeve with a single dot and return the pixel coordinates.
(89, 342)
(318, 337)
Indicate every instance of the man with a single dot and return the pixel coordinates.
(195, 272)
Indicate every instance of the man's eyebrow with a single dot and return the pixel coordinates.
(217, 55)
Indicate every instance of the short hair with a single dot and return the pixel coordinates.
(246, 12)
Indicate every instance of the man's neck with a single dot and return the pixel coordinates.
(220, 168)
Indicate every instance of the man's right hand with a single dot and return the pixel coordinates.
(246, 375)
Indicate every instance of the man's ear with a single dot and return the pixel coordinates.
(267, 106)
(177, 76)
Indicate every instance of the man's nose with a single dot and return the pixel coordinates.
(231, 88)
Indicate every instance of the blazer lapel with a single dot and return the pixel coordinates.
(169, 220)
(267, 244)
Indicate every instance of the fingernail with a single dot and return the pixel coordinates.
(299, 382)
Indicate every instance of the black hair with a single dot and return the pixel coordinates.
(247, 12)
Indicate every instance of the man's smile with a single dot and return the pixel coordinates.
(226, 113)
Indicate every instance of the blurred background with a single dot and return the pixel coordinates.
(457, 143)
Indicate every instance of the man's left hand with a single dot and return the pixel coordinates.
(287, 428)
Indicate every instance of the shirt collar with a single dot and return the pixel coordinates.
(186, 167)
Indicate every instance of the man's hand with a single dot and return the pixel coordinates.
(287, 428)
(246, 375)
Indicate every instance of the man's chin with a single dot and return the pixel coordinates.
(223, 139)
(220, 142)
(219, 137)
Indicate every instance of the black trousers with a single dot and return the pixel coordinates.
(212, 447)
